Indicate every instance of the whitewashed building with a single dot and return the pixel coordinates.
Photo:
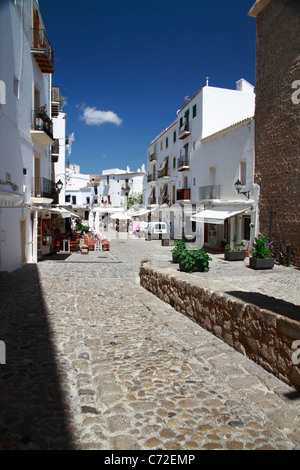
(26, 134)
(78, 192)
(197, 160)
(59, 146)
(95, 196)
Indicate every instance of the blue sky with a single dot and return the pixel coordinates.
(125, 67)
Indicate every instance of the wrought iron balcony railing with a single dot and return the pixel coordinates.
(42, 50)
(41, 122)
(163, 173)
(42, 187)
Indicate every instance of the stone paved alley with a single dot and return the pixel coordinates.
(94, 361)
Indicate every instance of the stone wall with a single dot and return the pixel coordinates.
(277, 122)
(265, 337)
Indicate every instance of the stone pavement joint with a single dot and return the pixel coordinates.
(94, 361)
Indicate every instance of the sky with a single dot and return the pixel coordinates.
(125, 67)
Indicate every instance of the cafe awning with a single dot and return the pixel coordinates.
(211, 216)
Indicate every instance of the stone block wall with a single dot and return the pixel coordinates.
(265, 337)
(277, 122)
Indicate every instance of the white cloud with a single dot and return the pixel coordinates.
(95, 117)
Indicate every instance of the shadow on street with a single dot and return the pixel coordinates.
(33, 412)
(279, 306)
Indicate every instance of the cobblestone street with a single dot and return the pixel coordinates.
(94, 361)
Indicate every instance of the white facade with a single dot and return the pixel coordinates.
(96, 195)
(59, 168)
(25, 139)
(198, 158)
(78, 192)
(116, 185)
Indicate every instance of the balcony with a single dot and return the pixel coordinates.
(151, 179)
(183, 194)
(152, 157)
(163, 173)
(183, 164)
(163, 199)
(209, 192)
(42, 50)
(126, 187)
(55, 102)
(41, 128)
(184, 131)
(42, 188)
(151, 200)
(55, 151)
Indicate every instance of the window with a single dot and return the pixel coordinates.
(246, 228)
(212, 175)
(167, 142)
(87, 200)
(73, 199)
(194, 110)
(174, 136)
(243, 168)
(16, 87)
(174, 163)
(194, 181)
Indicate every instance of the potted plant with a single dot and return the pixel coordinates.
(261, 256)
(236, 254)
(194, 261)
(179, 247)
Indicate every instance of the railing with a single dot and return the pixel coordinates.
(41, 122)
(183, 194)
(150, 178)
(152, 157)
(183, 161)
(42, 187)
(151, 200)
(209, 192)
(184, 130)
(163, 199)
(41, 45)
(163, 173)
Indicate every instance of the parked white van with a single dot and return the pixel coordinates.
(157, 229)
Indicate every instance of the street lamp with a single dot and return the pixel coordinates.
(59, 185)
(238, 186)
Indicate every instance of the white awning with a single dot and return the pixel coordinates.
(64, 213)
(107, 210)
(210, 216)
(41, 200)
(70, 211)
(9, 198)
(120, 215)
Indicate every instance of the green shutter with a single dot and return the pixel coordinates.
(194, 110)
